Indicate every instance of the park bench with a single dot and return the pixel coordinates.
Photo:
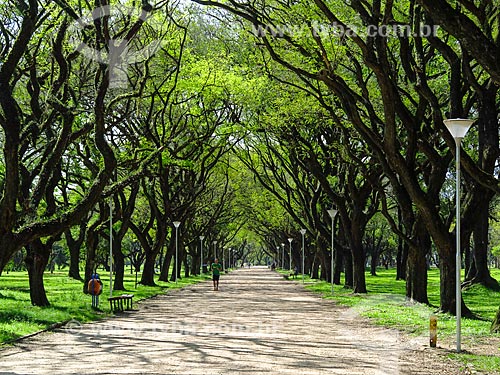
(116, 303)
(291, 275)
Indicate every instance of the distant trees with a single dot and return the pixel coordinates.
(391, 93)
(74, 138)
(40, 104)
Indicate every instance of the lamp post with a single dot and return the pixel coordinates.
(110, 248)
(303, 232)
(458, 128)
(229, 259)
(176, 225)
(215, 249)
(224, 259)
(290, 253)
(201, 254)
(282, 255)
(332, 214)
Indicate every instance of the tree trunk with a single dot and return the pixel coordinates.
(448, 285)
(161, 259)
(325, 264)
(495, 326)
(488, 142)
(402, 260)
(325, 272)
(358, 266)
(186, 266)
(374, 261)
(402, 255)
(479, 272)
(470, 266)
(118, 263)
(416, 276)
(165, 269)
(315, 271)
(358, 257)
(36, 261)
(91, 243)
(148, 271)
(337, 268)
(416, 270)
(74, 246)
(348, 282)
(124, 210)
(74, 264)
(195, 264)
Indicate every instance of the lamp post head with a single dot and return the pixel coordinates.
(332, 213)
(458, 127)
(302, 231)
(215, 242)
(202, 238)
(177, 224)
(283, 244)
(290, 240)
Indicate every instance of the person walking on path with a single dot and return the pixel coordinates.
(216, 269)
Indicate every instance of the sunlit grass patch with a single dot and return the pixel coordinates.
(386, 305)
(67, 301)
(489, 364)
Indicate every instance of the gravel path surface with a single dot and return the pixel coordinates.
(257, 323)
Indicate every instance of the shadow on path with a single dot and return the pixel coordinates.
(256, 323)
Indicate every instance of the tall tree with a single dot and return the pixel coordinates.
(403, 111)
(475, 26)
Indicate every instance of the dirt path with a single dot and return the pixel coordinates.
(257, 323)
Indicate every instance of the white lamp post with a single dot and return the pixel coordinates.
(201, 254)
(332, 214)
(215, 249)
(282, 255)
(176, 225)
(290, 253)
(229, 259)
(458, 128)
(111, 248)
(302, 232)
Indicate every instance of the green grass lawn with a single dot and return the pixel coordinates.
(386, 305)
(19, 318)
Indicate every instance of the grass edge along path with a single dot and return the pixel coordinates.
(386, 305)
(19, 319)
